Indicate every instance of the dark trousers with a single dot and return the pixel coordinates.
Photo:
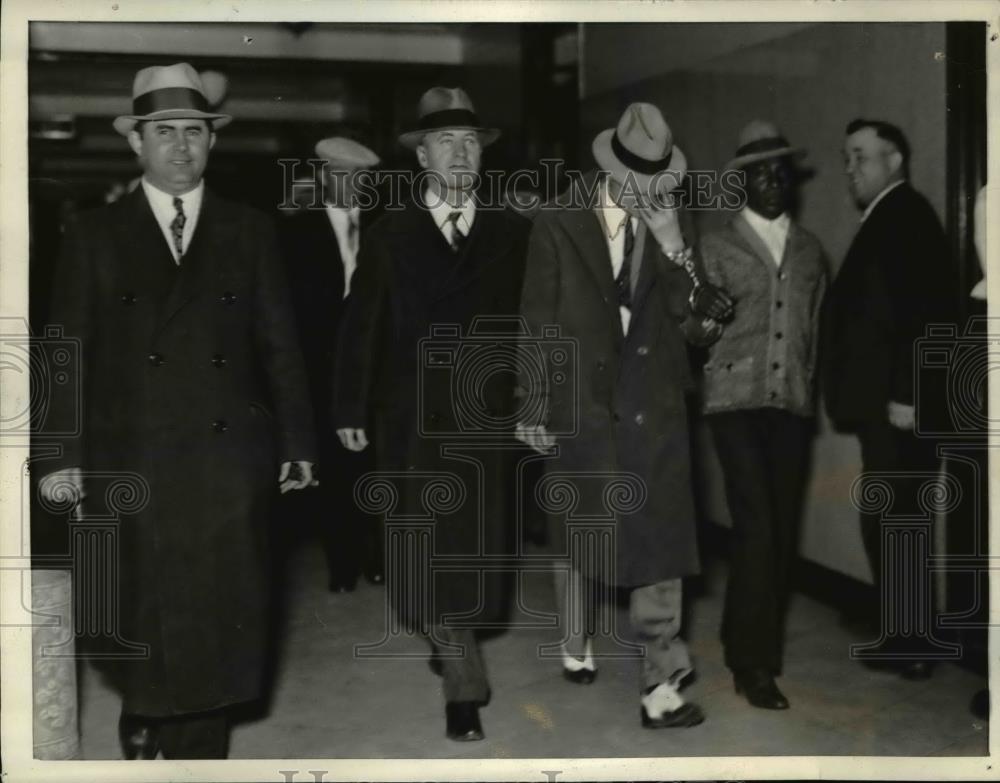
(889, 450)
(764, 454)
(462, 665)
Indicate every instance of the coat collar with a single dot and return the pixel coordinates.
(752, 242)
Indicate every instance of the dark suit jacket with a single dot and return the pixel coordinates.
(426, 392)
(896, 279)
(193, 391)
(619, 405)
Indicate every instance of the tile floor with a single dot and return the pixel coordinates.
(328, 703)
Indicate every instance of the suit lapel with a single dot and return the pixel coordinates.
(753, 243)
(210, 239)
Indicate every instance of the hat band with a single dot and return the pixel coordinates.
(763, 145)
(449, 118)
(168, 99)
(634, 162)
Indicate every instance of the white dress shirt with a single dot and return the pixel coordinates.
(341, 220)
(773, 233)
(441, 210)
(613, 219)
(885, 191)
(164, 211)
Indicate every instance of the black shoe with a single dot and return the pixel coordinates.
(917, 670)
(462, 718)
(760, 690)
(340, 583)
(686, 715)
(139, 737)
(580, 676)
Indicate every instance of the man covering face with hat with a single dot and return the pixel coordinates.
(613, 269)
(759, 393)
(321, 248)
(196, 400)
(426, 272)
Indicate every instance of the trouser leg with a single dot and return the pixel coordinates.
(196, 736)
(655, 613)
(575, 604)
(465, 675)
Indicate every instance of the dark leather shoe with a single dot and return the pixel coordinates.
(917, 670)
(462, 718)
(687, 714)
(139, 737)
(580, 676)
(760, 690)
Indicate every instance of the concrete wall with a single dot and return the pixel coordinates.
(811, 80)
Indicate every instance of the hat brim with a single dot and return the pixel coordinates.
(663, 181)
(411, 139)
(741, 161)
(127, 122)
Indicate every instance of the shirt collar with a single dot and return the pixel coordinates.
(758, 221)
(612, 215)
(340, 214)
(441, 209)
(885, 191)
(161, 200)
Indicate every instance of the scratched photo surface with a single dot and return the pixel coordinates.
(530, 391)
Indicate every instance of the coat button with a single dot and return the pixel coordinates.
(219, 426)
(729, 366)
(782, 275)
(778, 304)
(218, 360)
(642, 350)
(601, 365)
(128, 299)
(775, 366)
(156, 359)
(616, 417)
(772, 395)
(640, 418)
(228, 298)
(778, 335)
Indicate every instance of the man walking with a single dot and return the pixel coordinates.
(760, 399)
(440, 261)
(609, 271)
(321, 248)
(195, 384)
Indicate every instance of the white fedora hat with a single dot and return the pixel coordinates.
(641, 147)
(168, 92)
(339, 151)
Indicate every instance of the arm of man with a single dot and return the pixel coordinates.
(539, 305)
(71, 310)
(277, 347)
(357, 345)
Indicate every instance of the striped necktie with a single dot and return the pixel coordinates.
(623, 282)
(177, 227)
(457, 237)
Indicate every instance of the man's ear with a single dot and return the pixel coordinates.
(211, 140)
(422, 156)
(135, 142)
(895, 158)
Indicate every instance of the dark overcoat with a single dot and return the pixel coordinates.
(625, 414)
(193, 381)
(895, 280)
(408, 359)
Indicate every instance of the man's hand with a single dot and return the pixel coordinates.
(709, 301)
(901, 416)
(536, 437)
(296, 475)
(63, 486)
(665, 226)
(352, 439)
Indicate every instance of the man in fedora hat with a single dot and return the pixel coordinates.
(196, 394)
(321, 248)
(760, 399)
(611, 268)
(896, 280)
(434, 267)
